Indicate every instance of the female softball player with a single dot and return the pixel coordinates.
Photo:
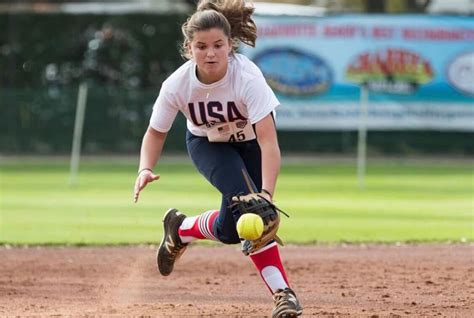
(230, 135)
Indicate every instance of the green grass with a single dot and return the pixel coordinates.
(401, 202)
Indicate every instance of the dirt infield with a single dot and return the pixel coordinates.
(331, 281)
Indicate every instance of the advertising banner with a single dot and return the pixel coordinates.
(419, 70)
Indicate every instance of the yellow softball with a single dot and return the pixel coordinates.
(250, 226)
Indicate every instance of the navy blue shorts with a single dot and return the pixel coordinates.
(224, 165)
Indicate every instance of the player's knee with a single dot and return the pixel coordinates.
(227, 237)
(229, 240)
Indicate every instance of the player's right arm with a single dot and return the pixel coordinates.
(150, 152)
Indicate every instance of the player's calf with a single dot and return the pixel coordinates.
(198, 227)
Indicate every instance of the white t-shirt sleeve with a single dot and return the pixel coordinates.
(260, 99)
(164, 112)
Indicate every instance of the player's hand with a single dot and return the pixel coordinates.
(143, 178)
(266, 196)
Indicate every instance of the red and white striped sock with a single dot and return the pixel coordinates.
(268, 263)
(198, 227)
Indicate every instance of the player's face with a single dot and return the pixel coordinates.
(210, 50)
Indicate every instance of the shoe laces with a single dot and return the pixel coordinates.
(178, 250)
(280, 296)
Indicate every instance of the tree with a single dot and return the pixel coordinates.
(375, 6)
(417, 5)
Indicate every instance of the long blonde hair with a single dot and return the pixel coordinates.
(233, 17)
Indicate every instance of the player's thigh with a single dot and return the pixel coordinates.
(252, 157)
(221, 164)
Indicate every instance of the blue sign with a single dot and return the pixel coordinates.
(419, 70)
(297, 72)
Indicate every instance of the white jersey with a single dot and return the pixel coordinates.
(223, 111)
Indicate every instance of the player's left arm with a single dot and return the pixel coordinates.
(268, 141)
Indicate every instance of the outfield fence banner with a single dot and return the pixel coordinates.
(418, 69)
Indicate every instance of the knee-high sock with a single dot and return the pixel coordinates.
(198, 227)
(268, 263)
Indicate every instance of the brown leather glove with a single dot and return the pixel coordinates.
(270, 214)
